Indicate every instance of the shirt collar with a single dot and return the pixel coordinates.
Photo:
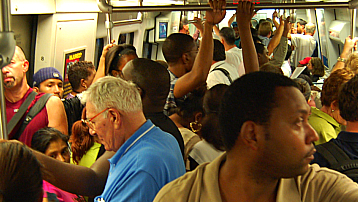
(122, 149)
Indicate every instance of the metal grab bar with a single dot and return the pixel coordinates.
(229, 6)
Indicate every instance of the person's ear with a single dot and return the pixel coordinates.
(25, 66)
(185, 58)
(114, 117)
(84, 83)
(249, 133)
(334, 105)
(36, 89)
(198, 117)
(114, 73)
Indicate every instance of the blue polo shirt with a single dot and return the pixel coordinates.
(143, 165)
(347, 141)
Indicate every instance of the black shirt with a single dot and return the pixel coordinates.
(167, 125)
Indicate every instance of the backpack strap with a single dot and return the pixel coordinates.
(38, 106)
(227, 74)
(20, 113)
(332, 152)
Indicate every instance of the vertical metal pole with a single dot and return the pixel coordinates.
(353, 28)
(109, 26)
(5, 27)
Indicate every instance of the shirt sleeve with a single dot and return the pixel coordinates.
(140, 186)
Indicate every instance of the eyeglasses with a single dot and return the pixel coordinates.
(89, 122)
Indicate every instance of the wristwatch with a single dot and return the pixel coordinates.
(339, 59)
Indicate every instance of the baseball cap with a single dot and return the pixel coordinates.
(305, 61)
(44, 74)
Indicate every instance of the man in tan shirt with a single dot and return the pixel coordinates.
(269, 145)
(263, 119)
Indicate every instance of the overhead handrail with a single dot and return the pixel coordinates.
(229, 6)
(7, 49)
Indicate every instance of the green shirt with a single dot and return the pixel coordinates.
(325, 125)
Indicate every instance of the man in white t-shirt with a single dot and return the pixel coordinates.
(304, 44)
(233, 53)
(221, 72)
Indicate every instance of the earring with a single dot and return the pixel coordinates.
(332, 110)
(194, 125)
(85, 87)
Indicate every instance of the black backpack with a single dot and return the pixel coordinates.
(339, 160)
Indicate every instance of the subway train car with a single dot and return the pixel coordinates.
(56, 33)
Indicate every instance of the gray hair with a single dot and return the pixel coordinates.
(310, 28)
(112, 92)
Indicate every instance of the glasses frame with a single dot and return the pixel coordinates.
(89, 122)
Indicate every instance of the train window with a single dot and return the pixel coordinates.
(98, 51)
(126, 38)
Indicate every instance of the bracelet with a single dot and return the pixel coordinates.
(339, 59)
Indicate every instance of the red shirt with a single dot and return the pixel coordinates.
(38, 122)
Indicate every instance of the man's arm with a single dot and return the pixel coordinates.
(56, 114)
(198, 74)
(245, 11)
(280, 51)
(347, 50)
(101, 70)
(74, 178)
(231, 20)
(276, 38)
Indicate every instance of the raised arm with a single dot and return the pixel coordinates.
(74, 178)
(198, 74)
(231, 20)
(56, 114)
(245, 11)
(275, 23)
(280, 51)
(276, 38)
(198, 24)
(347, 50)
(216, 30)
(101, 70)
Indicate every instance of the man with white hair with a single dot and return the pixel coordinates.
(146, 158)
(304, 45)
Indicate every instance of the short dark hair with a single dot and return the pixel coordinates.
(21, 174)
(228, 34)
(114, 55)
(348, 100)
(252, 97)
(318, 66)
(153, 79)
(43, 137)
(259, 48)
(269, 67)
(332, 85)
(192, 103)
(79, 70)
(176, 45)
(219, 51)
(304, 87)
(211, 103)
